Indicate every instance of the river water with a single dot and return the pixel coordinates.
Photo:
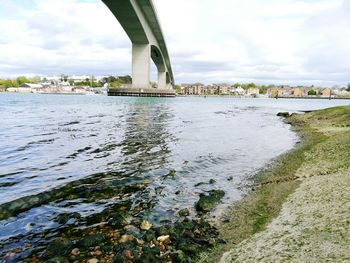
(75, 160)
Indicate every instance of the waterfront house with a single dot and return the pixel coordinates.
(341, 93)
(325, 93)
(198, 88)
(79, 89)
(253, 92)
(299, 92)
(239, 91)
(209, 90)
(29, 88)
(221, 89)
(284, 92)
(192, 89)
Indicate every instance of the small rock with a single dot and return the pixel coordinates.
(221, 241)
(283, 114)
(162, 247)
(126, 238)
(163, 238)
(93, 260)
(184, 212)
(97, 253)
(145, 225)
(58, 247)
(75, 252)
(208, 202)
(91, 240)
(128, 254)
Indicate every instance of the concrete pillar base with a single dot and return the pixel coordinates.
(137, 92)
(141, 66)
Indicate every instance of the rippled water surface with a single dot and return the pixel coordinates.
(77, 160)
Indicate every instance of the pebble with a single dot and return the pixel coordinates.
(93, 260)
(163, 238)
(75, 252)
(97, 253)
(145, 225)
(126, 238)
(128, 254)
(184, 212)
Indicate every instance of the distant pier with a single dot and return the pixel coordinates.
(132, 92)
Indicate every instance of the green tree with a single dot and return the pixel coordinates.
(251, 85)
(178, 88)
(312, 92)
(115, 84)
(8, 83)
(21, 80)
(125, 79)
(35, 80)
(348, 88)
(263, 89)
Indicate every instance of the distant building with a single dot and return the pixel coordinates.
(239, 91)
(27, 88)
(78, 89)
(325, 93)
(221, 89)
(284, 92)
(299, 92)
(31, 85)
(192, 89)
(253, 92)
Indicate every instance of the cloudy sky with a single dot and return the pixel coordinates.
(270, 41)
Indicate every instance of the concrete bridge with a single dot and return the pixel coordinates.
(140, 22)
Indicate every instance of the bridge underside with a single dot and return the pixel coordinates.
(140, 22)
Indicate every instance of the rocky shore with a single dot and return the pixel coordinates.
(298, 210)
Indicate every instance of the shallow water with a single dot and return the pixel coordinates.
(76, 160)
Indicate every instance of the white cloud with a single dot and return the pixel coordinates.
(64, 37)
(272, 41)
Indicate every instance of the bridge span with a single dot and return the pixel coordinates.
(140, 22)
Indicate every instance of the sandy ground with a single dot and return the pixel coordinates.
(314, 222)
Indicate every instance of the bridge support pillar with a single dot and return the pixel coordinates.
(162, 80)
(141, 66)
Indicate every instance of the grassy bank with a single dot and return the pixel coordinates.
(276, 221)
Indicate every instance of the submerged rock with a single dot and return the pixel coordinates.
(75, 252)
(145, 225)
(283, 114)
(184, 212)
(126, 238)
(207, 202)
(59, 247)
(91, 241)
(121, 220)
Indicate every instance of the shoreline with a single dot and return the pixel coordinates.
(256, 227)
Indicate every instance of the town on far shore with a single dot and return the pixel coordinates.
(91, 85)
